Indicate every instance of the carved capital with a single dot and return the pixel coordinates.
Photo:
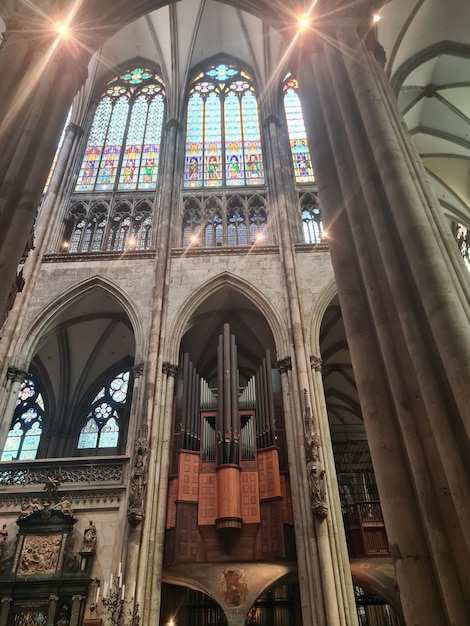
(284, 365)
(53, 598)
(16, 375)
(316, 363)
(138, 370)
(169, 369)
(272, 119)
(174, 123)
(77, 598)
(6, 599)
(74, 129)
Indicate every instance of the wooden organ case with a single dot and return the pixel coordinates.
(229, 493)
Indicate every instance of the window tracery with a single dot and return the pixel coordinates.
(226, 220)
(312, 224)
(23, 439)
(123, 147)
(94, 227)
(104, 418)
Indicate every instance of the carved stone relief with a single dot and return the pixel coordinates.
(40, 554)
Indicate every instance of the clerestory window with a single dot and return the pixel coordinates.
(223, 143)
(297, 133)
(123, 147)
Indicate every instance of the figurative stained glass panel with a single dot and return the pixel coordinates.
(194, 139)
(252, 140)
(124, 143)
(88, 435)
(24, 436)
(91, 160)
(12, 444)
(233, 141)
(112, 149)
(109, 434)
(133, 150)
(151, 149)
(212, 141)
(222, 134)
(297, 134)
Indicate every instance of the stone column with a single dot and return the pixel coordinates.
(5, 602)
(58, 67)
(51, 610)
(76, 610)
(403, 299)
(304, 432)
(15, 377)
(158, 421)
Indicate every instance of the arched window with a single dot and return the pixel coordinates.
(124, 144)
(223, 143)
(26, 429)
(462, 236)
(103, 421)
(297, 134)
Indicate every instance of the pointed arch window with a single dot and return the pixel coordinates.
(223, 141)
(108, 409)
(123, 148)
(23, 439)
(297, 134)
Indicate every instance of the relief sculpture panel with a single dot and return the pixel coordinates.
(40, 554)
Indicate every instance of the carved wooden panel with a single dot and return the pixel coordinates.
(272, 534)
(171, 508)
(287, 515)
(186, 532)
(269, 478)
(188, 474)
(250, 498)
(207, 511)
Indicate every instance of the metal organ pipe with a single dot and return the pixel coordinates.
(235, 417)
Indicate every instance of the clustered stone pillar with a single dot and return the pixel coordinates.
(405, 308)
(44, 72)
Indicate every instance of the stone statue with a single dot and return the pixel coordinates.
(65, 506)
(316, 476)
(3, 541)
(89, 538)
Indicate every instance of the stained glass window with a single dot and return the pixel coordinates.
(103, 421)
(297, 134)
(123, 148)
(23, 439)
(462, 236)
(56, 155)
(223, 142)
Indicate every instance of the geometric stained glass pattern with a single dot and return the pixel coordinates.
(297, 134)
(123, 147)
(223, 142)
(102, 424)
(23, 439)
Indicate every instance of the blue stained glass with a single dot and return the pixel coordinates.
(222, 72)
(109, 434)
(88, 435)
(194, 139)
(12, 444)
(119, 386)
(228, 99)
(29, 415)
(91, 160)
(151, 150)
(133, 150)
(297, 134)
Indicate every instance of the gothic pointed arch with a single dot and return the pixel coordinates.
(221, 283)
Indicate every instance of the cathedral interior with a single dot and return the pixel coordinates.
(234, 313)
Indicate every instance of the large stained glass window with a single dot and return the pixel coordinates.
(123, 148)
(24, 436)
(223, 143)
(297, 134)
(104, 418)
